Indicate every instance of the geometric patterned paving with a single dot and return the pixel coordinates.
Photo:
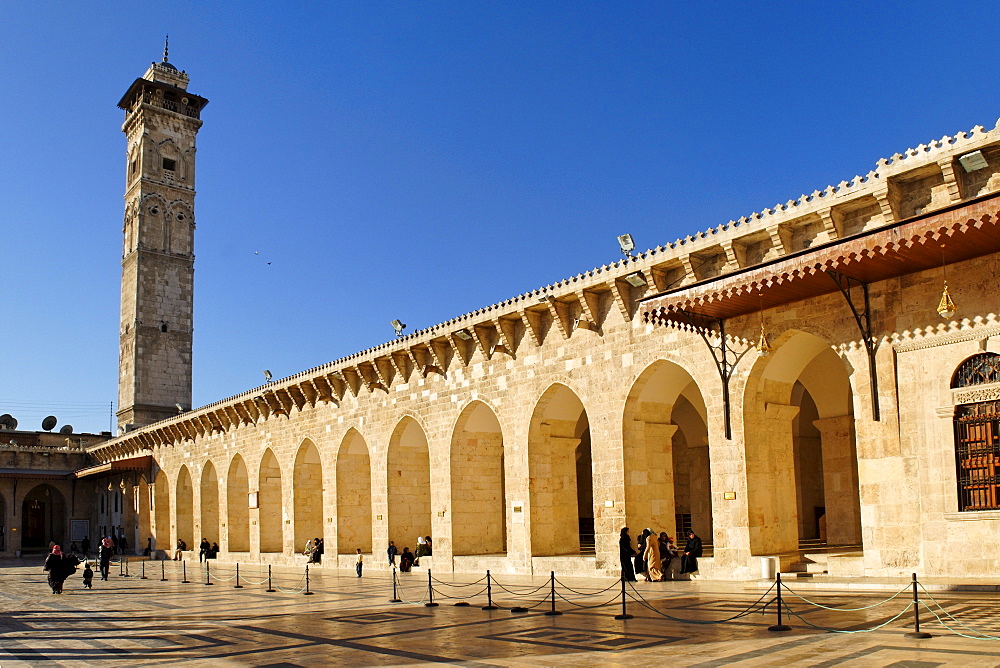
(133, 622)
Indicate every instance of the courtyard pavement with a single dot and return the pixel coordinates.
(129, 621)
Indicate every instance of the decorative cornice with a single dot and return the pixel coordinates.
(935, 340)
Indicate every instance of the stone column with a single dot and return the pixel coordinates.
(554, 512)
(772, 508)
(840, 480)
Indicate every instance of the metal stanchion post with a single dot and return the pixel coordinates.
(779, 626)
(430, 591)
(121, 566)
(143, 565)
(238, 585)
(489, 594)
(208, 575)
(163, 573)
(916, 632)
(184, 567)
(552, 592)
(624, 614)
(269, 587)
(395, 596)
(307, 592)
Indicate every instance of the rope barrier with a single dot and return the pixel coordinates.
(638, 598)
(826, 607)
(981, 635)
(792, 613)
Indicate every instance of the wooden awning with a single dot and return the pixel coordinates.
(959, 232)
(142, 464)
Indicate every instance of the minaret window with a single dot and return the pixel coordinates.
(169, 165)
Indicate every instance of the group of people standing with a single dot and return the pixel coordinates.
(657, 557)
(407, 559)
(314, 550)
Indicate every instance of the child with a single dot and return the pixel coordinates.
(88, 576)
(361, 562)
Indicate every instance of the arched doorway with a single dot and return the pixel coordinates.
(479, 523)
(209, 504)
(354, 495)
(43, 518)
(409, 485)
(237, 507)
(801, 453)
(307, 488)
(561, 475)
(161, 512)
(185, 509)
(272, 537)
(668, 478)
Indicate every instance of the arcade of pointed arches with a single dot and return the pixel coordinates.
(798, 415)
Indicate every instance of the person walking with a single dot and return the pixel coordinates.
(104, 553)
(626, 553)
(56, 569)
(88, 576)
(361, 562)
(392, 552)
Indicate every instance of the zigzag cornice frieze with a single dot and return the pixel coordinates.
(933, 340)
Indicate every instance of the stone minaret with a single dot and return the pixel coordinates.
(154, 368)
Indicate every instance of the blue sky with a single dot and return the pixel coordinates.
(419, 160)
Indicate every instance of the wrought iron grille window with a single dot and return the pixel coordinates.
(977, 370)
(977, 454)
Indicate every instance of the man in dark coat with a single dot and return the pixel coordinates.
(689, 560)
(626, 553)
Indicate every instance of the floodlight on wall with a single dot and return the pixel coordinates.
(180, 409)
(398, 326)
(636, 279)
(267, 376)
(626, 244)
(973, 161)
(464, 335)
(546, 298)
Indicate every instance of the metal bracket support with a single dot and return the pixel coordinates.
(725, 357)
(863, 316)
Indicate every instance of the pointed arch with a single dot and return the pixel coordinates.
(43, 517)
(185, 508)
(237, 506)
(409, 485)
(354, 494)
(209, 503)
(560, 468)
(307, 490)
(271, 524)
(665, 441)
(479, 523)
(800, 447)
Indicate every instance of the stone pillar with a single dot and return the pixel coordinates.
(772, 508)
(554, 513)
(840, 480)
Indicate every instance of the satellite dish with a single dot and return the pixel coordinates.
(66, 429)
(7, 421)
(49, 423)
